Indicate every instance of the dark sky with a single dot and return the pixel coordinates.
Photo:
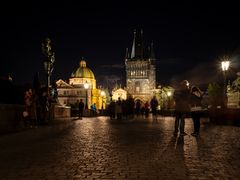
(188, 38)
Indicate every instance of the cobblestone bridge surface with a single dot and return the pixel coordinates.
(100, 148)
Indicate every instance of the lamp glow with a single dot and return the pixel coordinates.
(169, 93)
(225, 65)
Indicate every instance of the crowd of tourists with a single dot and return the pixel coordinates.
(187, 101)
(128, 109)
(37, 106)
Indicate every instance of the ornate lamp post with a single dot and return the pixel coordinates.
(48, 67)
(169, 93)
(225, 65)
(102, 95)
(86, 86)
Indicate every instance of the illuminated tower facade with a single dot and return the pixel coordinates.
(140, 69)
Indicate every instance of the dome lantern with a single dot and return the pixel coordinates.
(83, 63)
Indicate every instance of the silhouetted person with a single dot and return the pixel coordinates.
(80, 109)
(30, 107)
(142, 110)
(119, 109)
(130, 107)
(94, 109)
(138, 107)
(154, 105)
(196, 109)
(146, 108)
(182, 108)
(43, 103)
(111, 109)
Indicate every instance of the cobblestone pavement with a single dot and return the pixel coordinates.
(99, 148)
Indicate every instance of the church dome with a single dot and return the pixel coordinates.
(83, 71)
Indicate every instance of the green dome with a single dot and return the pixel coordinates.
(83, 71)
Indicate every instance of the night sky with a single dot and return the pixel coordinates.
(188, 38)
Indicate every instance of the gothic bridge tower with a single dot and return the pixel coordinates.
(140, 69)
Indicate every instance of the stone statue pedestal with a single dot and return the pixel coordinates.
(60, 111)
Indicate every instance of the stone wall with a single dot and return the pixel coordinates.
(10, 117)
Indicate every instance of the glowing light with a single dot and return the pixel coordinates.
(225, 65)
(169, 93)
(102, 93)
(86, 85)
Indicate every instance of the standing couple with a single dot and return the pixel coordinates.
(187, 100)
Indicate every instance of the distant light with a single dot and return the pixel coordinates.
(169, 93)
(225, 65)
(102, 93)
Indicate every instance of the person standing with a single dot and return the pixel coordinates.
(111, 109)
(119, 109)
(80, 109)
(154, 105)
(94, 109)
(30, 107)
(138, 107)
(196, 109)
(146, 107)
(182, 106)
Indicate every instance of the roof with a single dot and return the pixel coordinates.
(83, 71)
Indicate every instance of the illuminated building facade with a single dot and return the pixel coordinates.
(70, 93)
(140, 70)
(119, 93)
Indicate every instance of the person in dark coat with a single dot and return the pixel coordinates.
(146, 107)
(111, 109)
(196, 109)
(80, 109)
(138, 107)
(119, 109)
(182, 106)
(154, 105)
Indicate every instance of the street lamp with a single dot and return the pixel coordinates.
(48, 67)
(86, 86)
(225, 65)
(102, 95)
(169, 93)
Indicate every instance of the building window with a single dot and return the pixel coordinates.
(137, 86)
(79, 93)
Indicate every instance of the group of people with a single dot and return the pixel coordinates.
(36, 107)
(187, 100)
(129, 108)
(81, 109)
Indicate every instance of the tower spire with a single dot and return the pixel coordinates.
(137, 48)
(127, 54)
(133, 46)
(152, 54)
